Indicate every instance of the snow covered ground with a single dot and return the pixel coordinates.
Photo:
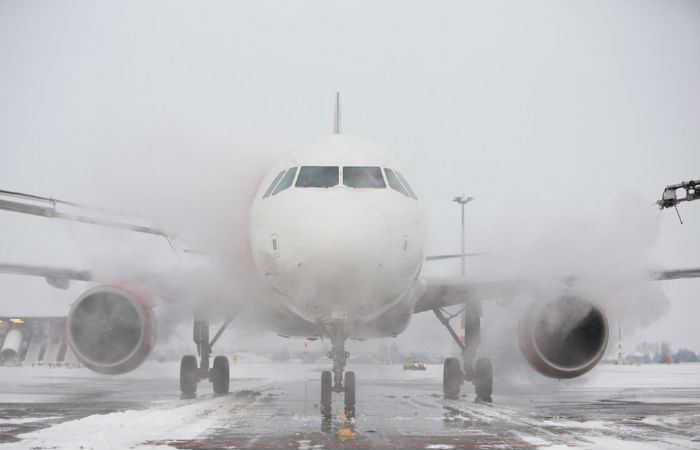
(276, 405)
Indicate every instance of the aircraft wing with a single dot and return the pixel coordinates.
(49, 207)
(453, 256)
(448, 291)
(676, 274)
(174, 284)
(56, 276)
(36, 205)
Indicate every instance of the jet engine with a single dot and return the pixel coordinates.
(563, 337)
(111, 330)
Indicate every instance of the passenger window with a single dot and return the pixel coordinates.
(318, 176)
(273, 184)
(363, 177)
(394, 182)
(286, 181)
(407, 186)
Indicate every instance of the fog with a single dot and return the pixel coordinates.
(564, 120)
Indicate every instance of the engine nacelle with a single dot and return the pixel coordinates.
(111, 330)
(564, 337)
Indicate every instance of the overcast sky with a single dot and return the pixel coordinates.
(564, 119)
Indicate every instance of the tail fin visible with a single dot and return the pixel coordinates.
(336, 121)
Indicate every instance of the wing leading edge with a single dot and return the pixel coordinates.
(449, 291)
(57, 277)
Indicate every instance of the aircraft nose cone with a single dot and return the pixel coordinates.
(346, 233)
(344, 257)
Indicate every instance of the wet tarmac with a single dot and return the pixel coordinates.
(277, 406)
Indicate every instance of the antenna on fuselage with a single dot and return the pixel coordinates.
(336, 120)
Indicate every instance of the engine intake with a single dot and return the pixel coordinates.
(111, 330)
(564, 337)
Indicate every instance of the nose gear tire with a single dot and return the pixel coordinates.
(349, 390)
(326, 391)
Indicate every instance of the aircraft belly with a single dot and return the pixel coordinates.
(385, 319)
(388, 322)
(283, 318)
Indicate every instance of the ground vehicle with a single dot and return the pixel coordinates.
(413, 364)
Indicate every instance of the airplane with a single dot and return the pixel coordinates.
(338, 237)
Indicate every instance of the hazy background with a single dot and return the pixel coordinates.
(564, 119)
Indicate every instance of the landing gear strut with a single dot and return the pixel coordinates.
(339, 357)
(191, 374)
(481, 373)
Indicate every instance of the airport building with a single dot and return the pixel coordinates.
(35, 341)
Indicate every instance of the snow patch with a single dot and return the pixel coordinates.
(129, 428)
(661, 421)
(589, 425)
(28, 419)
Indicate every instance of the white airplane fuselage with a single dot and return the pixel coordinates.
(339, 254)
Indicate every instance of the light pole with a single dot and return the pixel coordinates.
(469, 314)
(463, 200)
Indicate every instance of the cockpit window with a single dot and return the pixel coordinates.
(363, 177)
(273, 184)
(394, 182)
(318, 176)
(407, 186)
(286, 181)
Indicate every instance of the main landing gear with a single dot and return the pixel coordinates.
(334, 382)
(191, 373)
(481, 373)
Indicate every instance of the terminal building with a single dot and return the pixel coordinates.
(35, 341)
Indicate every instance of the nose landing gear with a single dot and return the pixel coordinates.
(328, 386)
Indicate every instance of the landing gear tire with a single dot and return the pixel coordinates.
(451, 378)
(349, 391)
(188, 376)
(326, 392)
(483, 379)
(220, 375)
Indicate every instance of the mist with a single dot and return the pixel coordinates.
(564, 120)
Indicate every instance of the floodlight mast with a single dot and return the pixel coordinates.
(336, 121)
(463, 200)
